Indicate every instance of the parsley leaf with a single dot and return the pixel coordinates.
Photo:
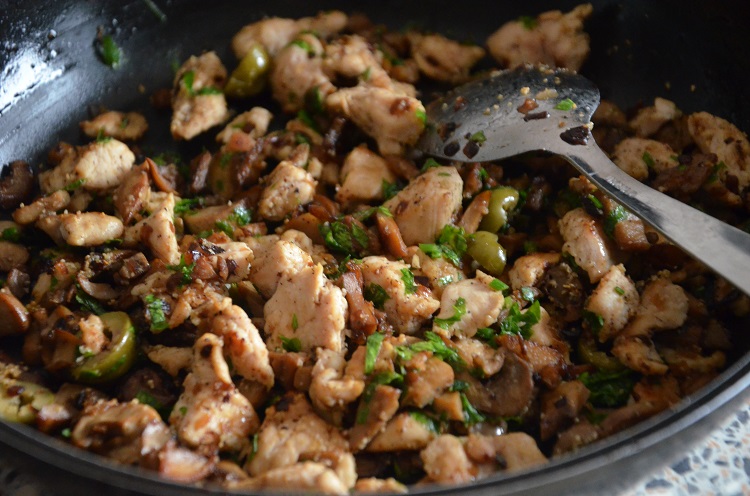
(185, 270)
(648, 160)
(295, 322)
(609, 389)
(109, 51)
(429, 164)
(520, 323)
(156, 308)
(407, 277)
(615, 215)
(374, 343)
(424, 419)
(187, 205)
(498, 285)
(390, 189)
(450, 244)
(471, 415)
(188, 79)
(11, 234)
(421, 115)
(459, 310)
(365, 214)
(377, 380)
(89, 303)
(478, 137)
(434, 344)
(344, 239)
(594, 320)
(565, 105)
(291, 344)
(528, 22)
(376, 294)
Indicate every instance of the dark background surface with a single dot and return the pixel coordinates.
(693, 54)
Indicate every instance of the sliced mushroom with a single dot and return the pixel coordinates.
(14, 318)
(16, 184)
(506, 394)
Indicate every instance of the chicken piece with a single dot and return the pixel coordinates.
(561, 406)
(427, 381)
(371, 485)
(392, 118)
(445, 461)
(297, 69)
(244, 345)
(96, 167)
(253, 123)
(287, 187)
(442, 59)
(378, 410)
(198, 103)
(403, 432)
(479, 355)
(232, 260)
(42, 207)
(308, 307)
(546, 332)
(304, 476)
(132, 193)
(352, 57)
(217, 217)
(553, 39)
(211, 414)
(158, 233)
(579, 435)
(482, 305)
(404, 311)
(663, 306)
(114, 429)
(615, 300)
(123, 126)
(439, 271)
(292, 432)
(730, 145)
(275, 33)
(649, 120)
(173, 360)
(513, 451)
(89, 228)
(280, 260)
(586, 241)
(636, 155)
(427, 204)
(362, 177)
(331, 390)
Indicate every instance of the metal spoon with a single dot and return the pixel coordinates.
(493, 118)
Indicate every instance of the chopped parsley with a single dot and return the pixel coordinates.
(66, 433)
(376, 294)
(594, 320)
(11, 234)
(156, 10)
(365, 76)
(187, 205)
(486, 334)
(429, 164)
(421, 115)
(716, 171)
(109, 51)
(520, 323)
(565, 105)
(619, 290)
(410, 287)
(478, 137)
(156, 308)
(528, 22)
(450, 244)
(188, 79)
(101, 137)
(435, 345)
(430, 423)
(609, 389)
(305, 118)
(459, 310)
(471, 415)
(374, 343)
(344, 239)
(295, 322)
(291, 344)
(498, 285)
(89, 303)
(616, 215)
(380, 379)
(390, 189)
(459, 386)
(185, 270)
(146, 398)
(595, 202)
(303, 45)
(648, 160)
(527, 294)
(363, 215)
(314, 101)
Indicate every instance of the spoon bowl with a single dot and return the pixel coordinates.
(541, 109)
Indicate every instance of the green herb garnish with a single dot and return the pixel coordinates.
(407, 277)
(109, 51)
(185, 270)
(528, 22)
(291, 344)
(478, 137)
(616, 215)
(459, 310)
(376, 294)
(648, 160)
(565, 105)
(89, 303)
(374, 343)
(520, 323)
(609, 389)
(156, 309)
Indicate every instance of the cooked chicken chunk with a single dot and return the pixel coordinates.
(244, 345)
(715, 135)
(362, 177)
(515, 451)
(406, 311)
(308, 307)
(292, 432)
(119, 125)
(439, 271)
(158, 233)
(586, 241)
(443, 59)
(172, 360)
(275, 33)
(371, 485)
(331, 390)
(353, 57)
(615, 300)
(528, 271)
(198, 102)
(279, 260)
(287, 187)
(378, 410)
(97, 166)
(427, 204)
(403, 432)
(211, 414)
(254, 123)
(553, 38)
(427, 379)
(297, 69)
(303, 476)
(649, 120)
(482, 305)
(44, 206)
(445, 461)
(89, 228)
(393, 119)
(636, 155)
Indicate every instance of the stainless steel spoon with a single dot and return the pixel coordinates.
(481, 121)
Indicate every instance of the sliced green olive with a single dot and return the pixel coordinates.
(20, 401)
(589, 353)
(502, 201)
(249, 78)
(114, 361)
(487, 252)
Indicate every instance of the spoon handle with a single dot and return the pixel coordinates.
(723, 248)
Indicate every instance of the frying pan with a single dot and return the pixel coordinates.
(51, 77)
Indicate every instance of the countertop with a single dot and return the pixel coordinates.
(717, 465)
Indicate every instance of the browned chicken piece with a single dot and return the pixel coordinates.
(211, 415)
(403, 432)
(482, 305)
(362, 177)
(615, 300)
(371, 485)
(89, 228)
(649, 120)
(561, 407)
(373, 416)
(637, 156)
(586, 241)
(446, 462)
(157, 232)
(443, 59)
(130, 126)
(198, 103)
(730, 145)
(254, 123)
(331, 390)
(553, 38)
(303, 476)
(513, 451)
(278, 260)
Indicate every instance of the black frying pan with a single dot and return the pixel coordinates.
(692, 54)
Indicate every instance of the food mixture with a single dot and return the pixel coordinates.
(320, 306)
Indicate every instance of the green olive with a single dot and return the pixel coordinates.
(589, 353)
(487, 252)
(117, 359)
(249, 78)
(20, 400)
(502, 201)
